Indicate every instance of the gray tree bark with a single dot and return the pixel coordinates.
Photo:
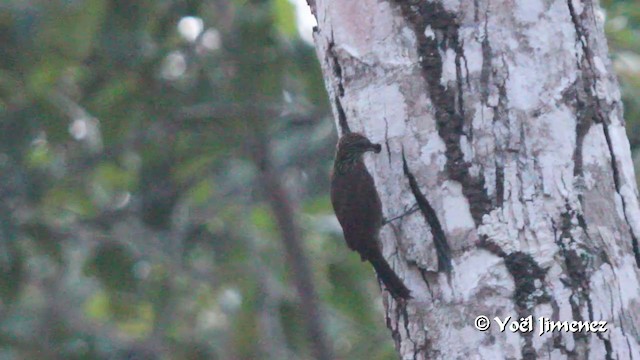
(502, 121)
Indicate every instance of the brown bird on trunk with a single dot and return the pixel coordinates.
(358, 208)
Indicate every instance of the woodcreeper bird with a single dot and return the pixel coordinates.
(358, 208)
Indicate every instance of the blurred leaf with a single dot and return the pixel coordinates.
(12, 275)
(349, 294)
(159, 192)
(201, 192)
(194, 167)
(135, 319)
(114, 178)
(10, 85)
(43, 76)
(64, 202)
(97, 306)
(48, 240)
(285, 17)
(292, 325)
(263, 219)
(140, 322)
(318, 205)
(112, 93)
(192, 350)
(39, 155)
(113, 264)
(245, 333)
(71, 26)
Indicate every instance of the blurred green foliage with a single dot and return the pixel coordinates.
(623, 32)
(131, 225)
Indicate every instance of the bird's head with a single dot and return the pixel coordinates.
(355, 143)
(351, 146)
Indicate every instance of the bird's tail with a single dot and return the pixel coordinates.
(389, 278)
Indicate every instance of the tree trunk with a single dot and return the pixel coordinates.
(502, 122)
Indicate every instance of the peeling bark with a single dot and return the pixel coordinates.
(503, 125)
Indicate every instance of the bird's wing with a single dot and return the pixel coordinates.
(357, 207)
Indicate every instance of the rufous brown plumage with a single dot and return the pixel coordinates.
(358, 208)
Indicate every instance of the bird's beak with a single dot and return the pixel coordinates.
(376, 148)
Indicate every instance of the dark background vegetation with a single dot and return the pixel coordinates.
(147, 176)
